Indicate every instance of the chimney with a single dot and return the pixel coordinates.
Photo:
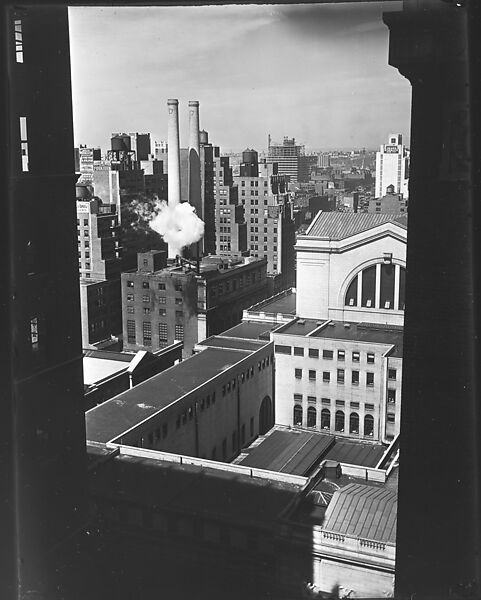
(173, 152)
(173, 158)
(194, 157)
(194, 164)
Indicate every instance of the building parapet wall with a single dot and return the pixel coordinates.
(367, 473)
(359, 549)
(211, 464)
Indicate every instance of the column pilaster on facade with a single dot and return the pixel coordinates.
(397, 274)
(377, 293)
(359, 288)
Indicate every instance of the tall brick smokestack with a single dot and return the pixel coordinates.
(195, 196)
(173, 158)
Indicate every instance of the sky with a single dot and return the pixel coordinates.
(318, 73)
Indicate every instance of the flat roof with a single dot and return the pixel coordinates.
(97, 369)
(302, 326)
(252, 330)
(109, 355)
(363, 511)
(284, 304)
(213, 493)
(110, 419)
(296, 451)
(220, 341)
(365, 332)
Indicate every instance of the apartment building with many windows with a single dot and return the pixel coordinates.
(99, 262)
(186, 301)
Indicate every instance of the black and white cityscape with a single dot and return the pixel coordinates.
(215, 393)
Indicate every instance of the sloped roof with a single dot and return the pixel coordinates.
(292, 452)
(363, 511)
(109, 420)
(338, 225)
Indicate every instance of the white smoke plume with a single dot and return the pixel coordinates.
(178, 224)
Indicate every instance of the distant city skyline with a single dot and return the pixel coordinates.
(318, 73)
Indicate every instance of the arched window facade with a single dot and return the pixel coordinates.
(368, 425)
(354, 423)
(379, 286)
(311, 416)
(325, 418)
(339, 421)
(297, 414)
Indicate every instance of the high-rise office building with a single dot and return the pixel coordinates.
(269, 216)
(392, 167)
(287, 156)
(99, 260)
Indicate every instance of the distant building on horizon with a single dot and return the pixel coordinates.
(287, 156)
(390, 203)
(392, 167)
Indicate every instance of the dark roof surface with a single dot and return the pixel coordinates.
(110, 419)
(364, 332)
(302, 326)
(284, 304)
(252, 330)
(195, 489)
(363, 511)
(294, 452)
(109, 355)
(355, 453)
(226, 342)
(338, 226)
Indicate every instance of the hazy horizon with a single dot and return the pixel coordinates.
(318, 73)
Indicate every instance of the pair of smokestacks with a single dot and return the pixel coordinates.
(173, 160)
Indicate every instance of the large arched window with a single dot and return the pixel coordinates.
(297, 414)
(311, 416)
(354, 423)
(325, 418)
(339, 422)
(368, 425)
(379, 286)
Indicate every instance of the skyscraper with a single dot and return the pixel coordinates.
(287, 156)
(392, 167)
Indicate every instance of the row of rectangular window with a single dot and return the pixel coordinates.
(329, 354)
(179, 314)
(146, 285)
(147, 332)
(326, 376)
(147, 298)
